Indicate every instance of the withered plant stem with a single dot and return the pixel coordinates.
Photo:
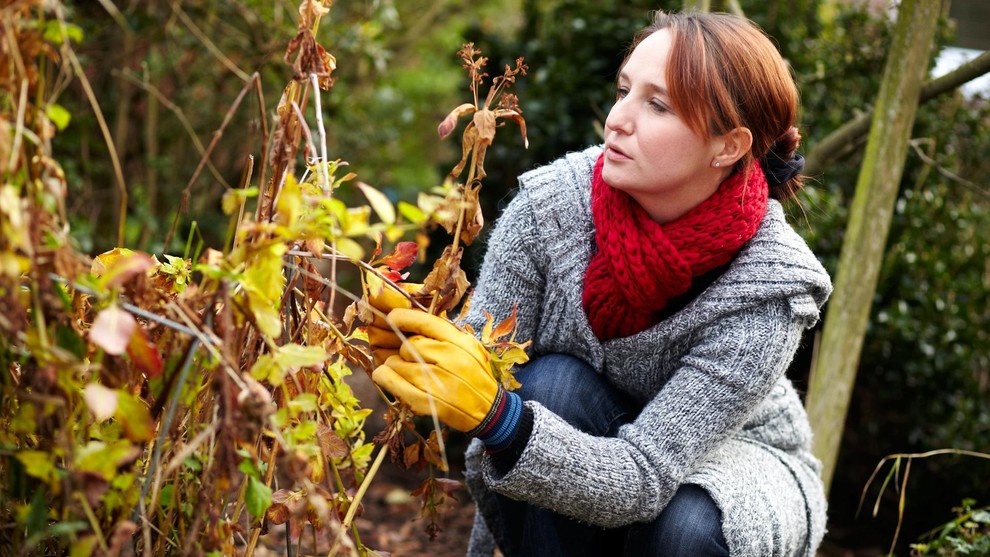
(356, 501)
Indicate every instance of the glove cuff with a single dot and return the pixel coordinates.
(499, 427)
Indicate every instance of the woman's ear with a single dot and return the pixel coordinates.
(734, 145)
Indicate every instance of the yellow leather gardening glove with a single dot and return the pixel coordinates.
(383, 297)
(455, 375)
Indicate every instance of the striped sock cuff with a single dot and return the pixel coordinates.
(499, 427)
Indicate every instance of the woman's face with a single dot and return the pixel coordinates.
(650, 153)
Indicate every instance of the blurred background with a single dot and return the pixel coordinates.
(167, 72)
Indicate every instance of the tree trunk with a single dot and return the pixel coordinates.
(869, 223)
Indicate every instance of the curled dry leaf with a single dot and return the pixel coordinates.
(448, 280)
(448, 124)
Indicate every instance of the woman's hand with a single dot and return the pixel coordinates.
(454, 371)
(382, 338)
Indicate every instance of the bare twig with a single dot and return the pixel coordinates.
(118, 17)
(15, 149)
(916, 145)
(180, 115)
(186, 192)
(205, 39)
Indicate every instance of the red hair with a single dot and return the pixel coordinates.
(724, 73)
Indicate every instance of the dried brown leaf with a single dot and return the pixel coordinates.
(330, 443)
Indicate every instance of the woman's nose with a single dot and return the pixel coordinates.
(618, 118)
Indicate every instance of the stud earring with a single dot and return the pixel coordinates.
(717, 164)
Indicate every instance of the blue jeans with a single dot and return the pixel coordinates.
(690, 525)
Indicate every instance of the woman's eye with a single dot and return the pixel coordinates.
(658, 106)
(621, 92)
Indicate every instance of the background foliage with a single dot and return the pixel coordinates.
(924, 379)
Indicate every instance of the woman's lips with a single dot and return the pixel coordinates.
(613, 154)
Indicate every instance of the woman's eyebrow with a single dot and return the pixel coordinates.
(651, 85)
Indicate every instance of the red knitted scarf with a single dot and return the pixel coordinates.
(641, 265)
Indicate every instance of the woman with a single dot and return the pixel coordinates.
(665, 296)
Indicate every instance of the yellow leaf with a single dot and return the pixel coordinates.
(486, 330)
(116, 266)
(350, 248)
(379, 202)
(355, 221)
(38, 464)
(296, 355)
(263, 281)
(290, 202)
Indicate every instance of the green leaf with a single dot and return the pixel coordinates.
(24, 420)
(37, 516)
(135, 417)
(305, 402)
(56, 32)
(58, 115)
(232, 199)
(104, 458)
(305, 431)
(412, 213)
(263, 369)
(257, 497)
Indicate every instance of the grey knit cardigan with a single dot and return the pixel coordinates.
(719, 412)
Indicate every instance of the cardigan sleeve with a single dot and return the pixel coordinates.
(612, 482)
(513, 272)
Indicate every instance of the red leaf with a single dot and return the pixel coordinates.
(402, 256)
(506, 326)
(144, 354)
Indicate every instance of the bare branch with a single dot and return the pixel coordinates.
(853, 133)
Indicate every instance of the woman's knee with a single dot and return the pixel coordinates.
(546, 377)
(575, 392)
(690, 525)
